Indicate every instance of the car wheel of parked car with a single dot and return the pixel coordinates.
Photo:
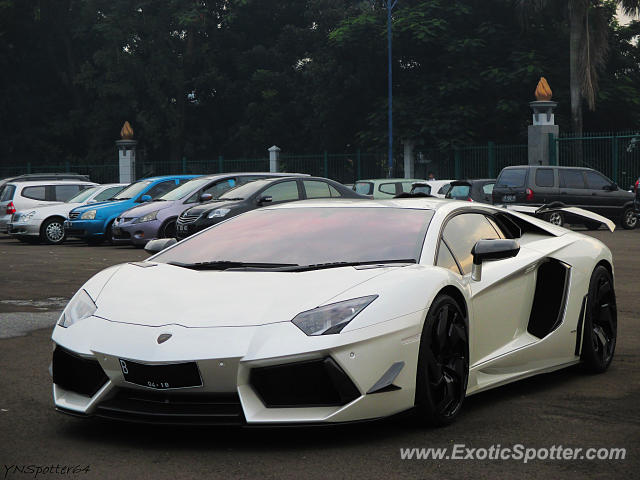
(109, 233)
(443, 363)
(168, 230)
(555, 218)
(629, 219)
(600, 322)
(52, 231)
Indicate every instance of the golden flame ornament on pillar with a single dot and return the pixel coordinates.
(543, 91)
(126, 133)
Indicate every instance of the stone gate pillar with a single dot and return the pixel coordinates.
(126, 154)
(543, 125)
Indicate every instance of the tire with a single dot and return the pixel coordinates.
(52, 231)
(600, 323)
(629, 219)
(108, 234)
(168, 230)
(443, 363)
(555, 218)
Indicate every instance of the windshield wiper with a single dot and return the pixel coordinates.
(228, 264)
(322, 266)
(158, 200)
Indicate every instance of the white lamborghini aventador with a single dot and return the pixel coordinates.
(334, 311)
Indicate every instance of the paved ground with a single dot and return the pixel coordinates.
(565, 408)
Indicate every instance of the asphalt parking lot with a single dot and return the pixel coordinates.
(567, 408)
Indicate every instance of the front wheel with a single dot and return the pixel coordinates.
(52, 231)
(168, 230)
(629, 219)
(600, 322)
(443, 363)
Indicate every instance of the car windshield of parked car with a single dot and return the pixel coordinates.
(308, 236)
(185, 189)
(364, 188)
(512, 177)
(459, 191)
(132, 190)
(82, 196)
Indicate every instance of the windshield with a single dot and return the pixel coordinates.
(308, 236)
(83, 195)
(459, 191)
(132, 190)
(243, 191)
(364, 188)
(185, 189)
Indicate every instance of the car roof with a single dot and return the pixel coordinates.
(561, 167)
(389, 180)
(167, 177)
(249, 174)
(52, 182)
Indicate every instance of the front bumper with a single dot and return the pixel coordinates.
(232, 362)
(135, 233)
(85, 229)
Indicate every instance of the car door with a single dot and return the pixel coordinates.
(605, 201)
(281, 192)
(573, 190)
(502, 299)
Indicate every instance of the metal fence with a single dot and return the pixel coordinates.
(617, 155)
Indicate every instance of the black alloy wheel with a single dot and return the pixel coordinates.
(601, 322)
(443, 363)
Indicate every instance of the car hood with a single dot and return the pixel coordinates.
(148, 207)
(61, 208)
(160, 294)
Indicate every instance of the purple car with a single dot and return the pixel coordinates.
(157, 219)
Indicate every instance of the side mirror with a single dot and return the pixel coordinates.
(205, 197)
(145, 198)
(485, 250)
(266, 199)
(155, 246)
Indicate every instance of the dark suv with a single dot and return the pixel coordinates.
(568, 186)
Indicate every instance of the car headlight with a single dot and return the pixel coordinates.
(88, 215)
(80, 307)
(218, 212)
(25, 217)
(147, 218)
(332, 318)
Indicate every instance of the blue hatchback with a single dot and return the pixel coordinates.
(92, 223)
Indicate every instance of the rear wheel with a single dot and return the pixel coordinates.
(629, 219)
(556, 218)
(168, 230)
(52, 231)
(600, 323)
(443, 363)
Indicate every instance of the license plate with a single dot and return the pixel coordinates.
(182, 228)
(508, 198)
(161, 377)
(9, 227)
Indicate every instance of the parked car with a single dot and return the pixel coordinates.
(23, 195)
(329, 311)
(477, 190)
(569, 186)
(255, 195)
(94, 223)
(435, 188)
(157, 219)
(385, 187)
(45, 224)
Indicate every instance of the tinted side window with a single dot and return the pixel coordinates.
(597, 181)
(445, 258)
(488, 188)
(65, 192)
(512, 177)
(459, 191)
(571, 178)
(161, 188)
(544, 177)
(282, 192)
(463, 231)
(406, 186)
(364, 188)
(35, 193)
(334, 193)
(316, 189)
(388, 188)
(106, 194)
(220, 187)
(7, 193)
(444, 189)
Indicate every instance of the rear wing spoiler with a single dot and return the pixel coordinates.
(574, 212)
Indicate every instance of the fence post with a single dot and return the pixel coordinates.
(326, 165)
(359, 176)
(457, 163)
(553, 151)
(67, 167)
(220, 163)
(184, 164)
(614, 158)
(491, 151)
(274, 159)
(28, 167)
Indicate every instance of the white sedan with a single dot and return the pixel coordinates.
(335, 311)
